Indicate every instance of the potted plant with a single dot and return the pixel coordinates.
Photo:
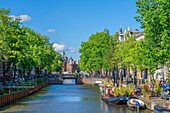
(145, 89)
(124, 84)
(157, 89)
(128, 91)
(148, 96)
(122, 91)
(116, 92)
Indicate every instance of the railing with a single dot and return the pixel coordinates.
(68, 75)
(18, 95)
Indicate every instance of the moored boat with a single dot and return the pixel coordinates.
(162, 108)
(132, 104)
(116, 100)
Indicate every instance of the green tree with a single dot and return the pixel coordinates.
(92, 51)
(11, 36)
(154, 18)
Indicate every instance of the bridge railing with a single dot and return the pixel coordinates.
(68, 75)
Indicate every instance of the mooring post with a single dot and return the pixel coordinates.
(137, 104)
(76, 81)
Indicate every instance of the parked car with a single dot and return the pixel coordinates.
(164, 94)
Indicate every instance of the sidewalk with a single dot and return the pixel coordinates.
(150, 103)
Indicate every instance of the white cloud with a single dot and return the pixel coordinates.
(62, 46)
(22, 17)
(51, 31)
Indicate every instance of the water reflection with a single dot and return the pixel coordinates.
(69, 81)
(66, 99)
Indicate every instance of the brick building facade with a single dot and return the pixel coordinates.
(69, 65)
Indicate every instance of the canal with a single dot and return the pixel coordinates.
(66, 99)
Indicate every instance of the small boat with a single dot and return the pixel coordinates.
(116, 100)
(162, 108)
(132, 104)
(97, 83)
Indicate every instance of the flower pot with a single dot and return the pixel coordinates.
(148, 97)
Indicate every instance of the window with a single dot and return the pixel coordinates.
(122, 38)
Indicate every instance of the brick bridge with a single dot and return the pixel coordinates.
(78, 80)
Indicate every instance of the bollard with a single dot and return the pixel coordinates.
(137, 104)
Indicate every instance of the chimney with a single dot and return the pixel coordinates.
(136, 30)
(129, 29)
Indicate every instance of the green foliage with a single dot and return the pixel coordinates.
(116, 91)
(129, 89)
(158, 89)
(76, 74)
(105, 82)
(110, 59)
(92, 51)
(111, 83)
(122, 91)
(22, 46)
(154, 18)
(145, 89)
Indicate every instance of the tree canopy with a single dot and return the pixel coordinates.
(22, 46)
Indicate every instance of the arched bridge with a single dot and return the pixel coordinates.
(70, 76)
(60, 78)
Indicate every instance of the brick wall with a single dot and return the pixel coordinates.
(91, 80)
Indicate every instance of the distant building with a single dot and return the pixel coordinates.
(160, 74)
(69, 65)
(8, 74)
(122, 35)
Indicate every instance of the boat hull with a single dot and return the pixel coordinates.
(160, 109)
(133, 106)
(116, 100)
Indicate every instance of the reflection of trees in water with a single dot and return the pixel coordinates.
(90, 99)
(41, 92)
(24, 101)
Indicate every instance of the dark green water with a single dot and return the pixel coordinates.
(66, 99)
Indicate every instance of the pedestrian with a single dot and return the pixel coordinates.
(162, 83)
(106, 91)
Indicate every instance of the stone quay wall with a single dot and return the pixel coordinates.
(90, 81)
(7, 99)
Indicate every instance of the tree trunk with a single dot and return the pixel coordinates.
(149, 77)
(124, 73)
(141, 77)
(24, 72)
(113, 75)
(4, 73)
(117, 76)
(14, 71)
(133, 77)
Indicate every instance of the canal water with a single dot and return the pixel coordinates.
(66, 99)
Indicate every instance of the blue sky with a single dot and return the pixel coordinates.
(69, 22)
